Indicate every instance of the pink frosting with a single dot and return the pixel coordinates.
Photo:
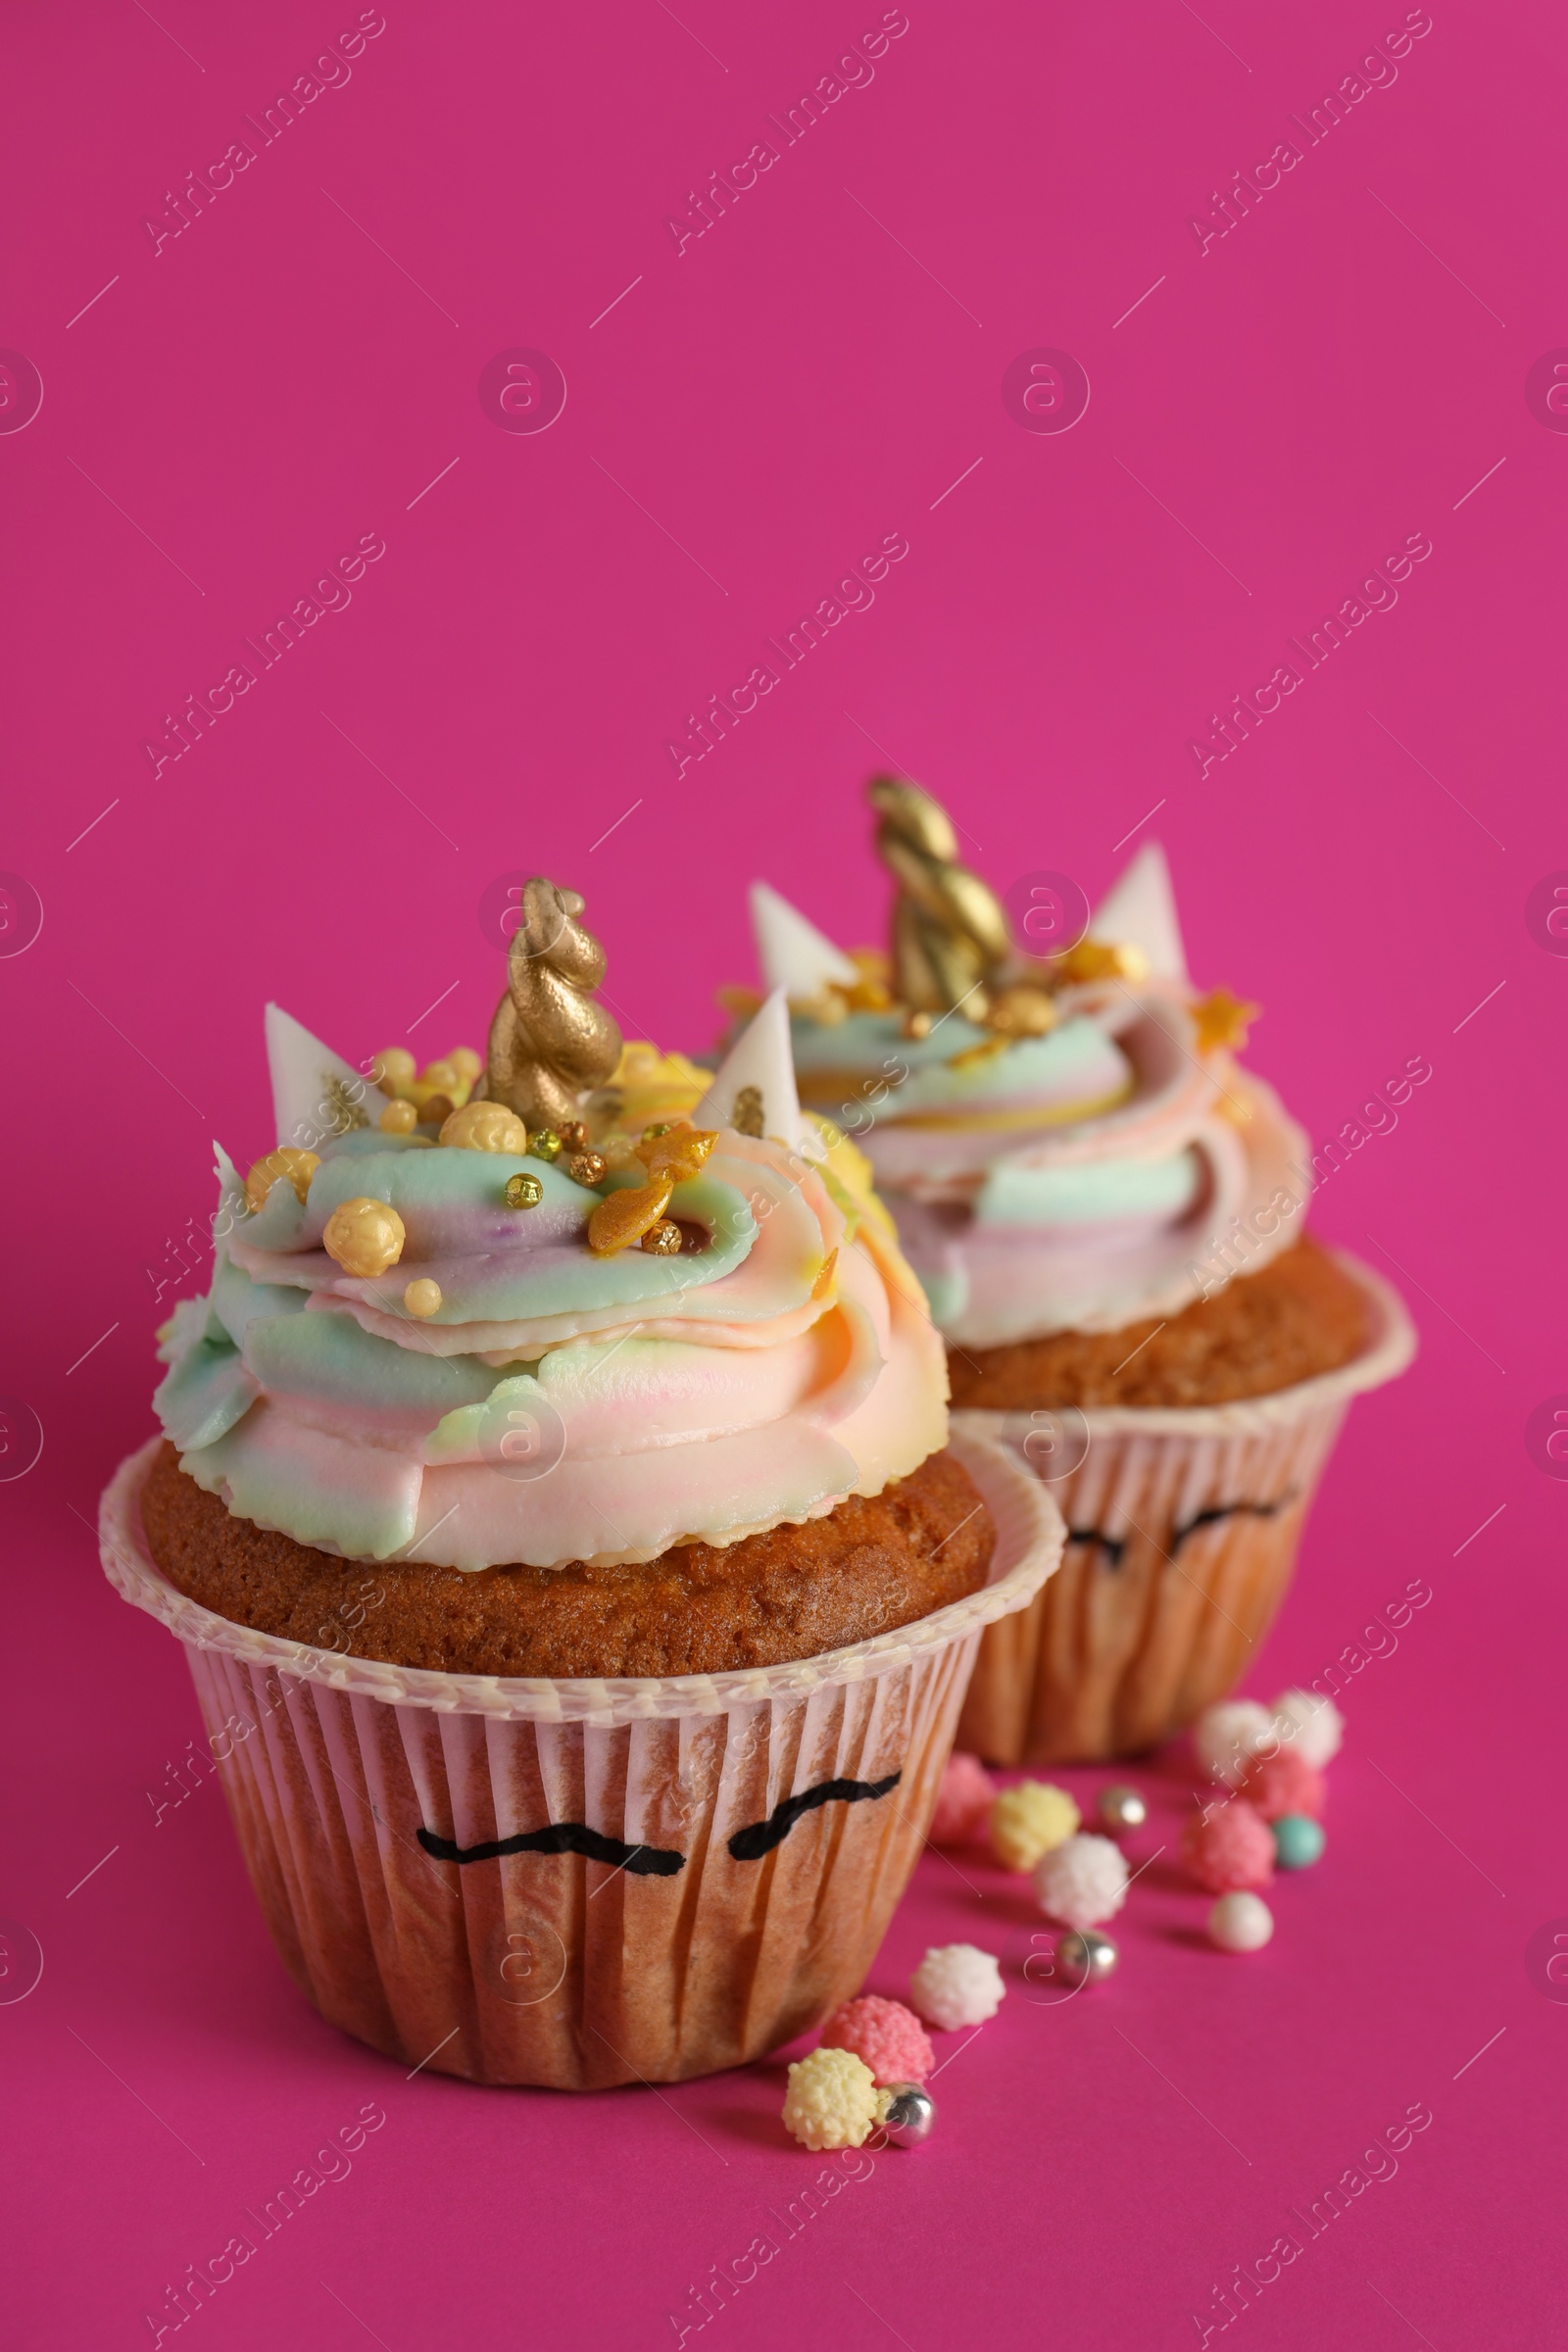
(997, 1282)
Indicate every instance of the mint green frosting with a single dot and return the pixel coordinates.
(478, 1246)
(329, 1359)
(205, 1392)
(1099, 1192)
(1074, 1060)
(276, 1339)
(301, 1487)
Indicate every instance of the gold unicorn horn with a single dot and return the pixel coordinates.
(549, 1041)
(950, 933)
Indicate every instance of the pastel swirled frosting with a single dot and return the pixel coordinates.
(1082, 1180)
(559, 1405)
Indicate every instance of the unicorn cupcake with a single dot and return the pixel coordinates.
(557, 1504)
(1105, 1210)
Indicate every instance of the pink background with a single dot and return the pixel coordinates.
(225, 417)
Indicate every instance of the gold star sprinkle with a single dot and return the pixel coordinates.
(1223, 1019)
(1092, 961)
(675, 1152)
(627, 1214)
(974, 1057)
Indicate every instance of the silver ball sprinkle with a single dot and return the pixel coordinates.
(1084, 1957)
(910, 2113)
(1121, 1809)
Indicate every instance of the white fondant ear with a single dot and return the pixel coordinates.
(303, 1071)
(1140, 910)
(793, 953)
(759, 1060)
(230, 1196)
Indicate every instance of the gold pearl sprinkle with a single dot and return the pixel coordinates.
(573, 1134)
(422, 1298)
(586, 1167)
(365, 1237)
(545, 1145)
(1093, 959)
(465, 1061)
(1022, 1010)
(399, 1118)
(660, 1127)
(435, 1111)
(523, 1191)
(485, 1127)
(287, 1161)
(663, 1239)
(394, 1070)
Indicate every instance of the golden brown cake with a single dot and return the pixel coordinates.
(1299, 1315)
(872, 1564)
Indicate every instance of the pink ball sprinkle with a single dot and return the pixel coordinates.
(963, 1801)
(887, 2037)
(1233, 1848)
(1284, 1784)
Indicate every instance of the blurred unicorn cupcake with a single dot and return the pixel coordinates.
(1105, 1210)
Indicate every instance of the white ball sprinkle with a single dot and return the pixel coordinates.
(957, 1984)
(1082, 1881)
(1227, 1736)
(1314, 1725)
(1241, 1923)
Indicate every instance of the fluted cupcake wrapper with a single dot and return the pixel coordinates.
(692, 1870)
(1183, 1525)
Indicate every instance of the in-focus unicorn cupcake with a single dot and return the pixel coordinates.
(1106, 1212)
(557, 1507)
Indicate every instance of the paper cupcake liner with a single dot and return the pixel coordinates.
(578, 1884)
(1183, 1525)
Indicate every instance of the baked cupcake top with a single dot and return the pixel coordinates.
(439, 1330)
(1067, 1143)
